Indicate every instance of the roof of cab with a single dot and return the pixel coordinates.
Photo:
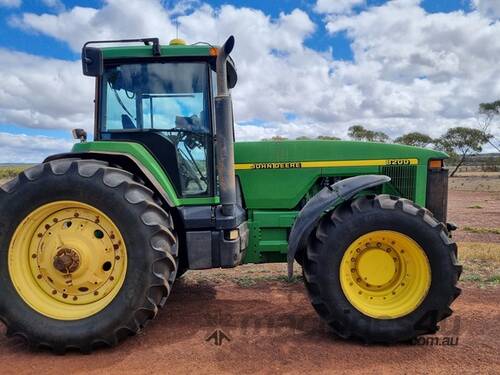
(147, 51)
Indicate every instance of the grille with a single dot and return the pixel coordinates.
(403, 179)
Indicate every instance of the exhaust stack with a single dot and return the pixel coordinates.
(224, 132)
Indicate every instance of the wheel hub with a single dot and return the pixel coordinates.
(76, 256)
(376, 267)
(385, 274)
(66, 261)
(75, 260)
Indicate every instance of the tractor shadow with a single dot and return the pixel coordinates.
(266, 311)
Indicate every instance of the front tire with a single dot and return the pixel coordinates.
(381, 269)
(86, 255)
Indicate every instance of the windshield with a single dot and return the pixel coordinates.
(168, 99)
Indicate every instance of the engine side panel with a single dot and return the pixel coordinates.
(277, 175)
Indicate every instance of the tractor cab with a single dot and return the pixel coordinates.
(174, 102)
(165, 102)
(168, 108)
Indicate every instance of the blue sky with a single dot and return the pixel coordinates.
(339, 66)
(35, 43)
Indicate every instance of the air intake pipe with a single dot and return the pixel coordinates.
(224, 132)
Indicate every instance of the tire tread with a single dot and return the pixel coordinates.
(158, 220)
(429, 322)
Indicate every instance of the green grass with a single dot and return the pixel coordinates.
(9, 172)
(472, 277)
(476, 206)
(481, 262)
(494, 279)
(246, 281)
(244, 276)
(481, 230)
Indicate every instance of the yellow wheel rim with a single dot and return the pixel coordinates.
(385, 274)
(67, 260)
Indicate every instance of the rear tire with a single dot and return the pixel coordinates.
(325, 278)
(150, 248)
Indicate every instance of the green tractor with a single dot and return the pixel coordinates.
(92, 241)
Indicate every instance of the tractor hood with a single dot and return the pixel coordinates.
(301, 151)
(279, 174)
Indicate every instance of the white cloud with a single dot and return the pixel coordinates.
(21, 148)
(434, 64)
(416, 65)
(488, 8)
(117, 19)
(10, 3)
(44, 93)
(412, 70)
(337, 6)
(55, 4)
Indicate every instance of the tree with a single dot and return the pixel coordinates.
(415, 139)
(487, 114)
(275, 138)
(490, 110)
(359, 133)
(328, 138)
(461, 142)
(302, 138)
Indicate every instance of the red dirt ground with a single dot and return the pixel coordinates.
(273, 328)
(476, 209)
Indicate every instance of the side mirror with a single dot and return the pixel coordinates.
(79, 134)
(232, 75)
(229, 45)
(92, 62)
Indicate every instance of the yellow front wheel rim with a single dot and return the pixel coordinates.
(67, 260)
(385, 274)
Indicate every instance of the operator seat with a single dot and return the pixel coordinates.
(127, 122)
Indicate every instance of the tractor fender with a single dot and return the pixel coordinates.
(128, 162)
(328, 198)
